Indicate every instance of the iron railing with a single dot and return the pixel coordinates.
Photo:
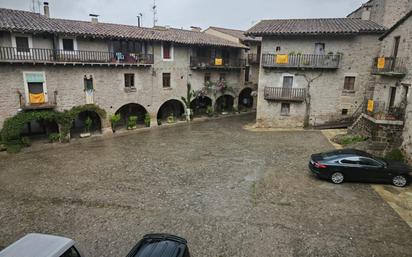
(253, 58)
(381, 111)
(390, 66)
(311, 61)
(285, 94)
(25, 104)
(56, 55)
(208, 62)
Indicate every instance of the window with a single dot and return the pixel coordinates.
(287, 81)
(285, 109)
(222, 77)
(166, 80)
(320, 48)
(278, 49)
(345, 111)
(22, 44)
(349, 84)
(129, 80)
(68, 44)
(351, 161)
(167, 51)
(207, 77)
(247, 74)
(88, 84)
(72, 252)
(369, 162)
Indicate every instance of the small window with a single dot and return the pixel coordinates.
(88, 84)
(207, 77)
(167, 51)
(351, 161)
(72, 252)
(22, 44)
(285, 109)
(287, 81)
(345, 111)
(129, 80)
(247, 74)
(68, 44)
(369, 162)
(166, 80)
(349, 83)
(278, 48)
(222, 77)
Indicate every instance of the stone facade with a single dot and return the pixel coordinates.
(327, 97)
(109, 80)
(383, 12)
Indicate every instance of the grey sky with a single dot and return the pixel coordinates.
(185, 13)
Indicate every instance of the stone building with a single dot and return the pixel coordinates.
(314, 71)
(383, 12)
(48, 63)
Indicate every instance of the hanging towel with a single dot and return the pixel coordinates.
(37, 98)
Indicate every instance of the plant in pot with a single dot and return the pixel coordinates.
(54, 137)
(171, 119)
(132, 122)
(147, 120)
(114, 120)
(87, 127)
(209, 111)
(187, 100)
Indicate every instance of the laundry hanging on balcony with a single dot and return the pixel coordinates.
(37, 98)
(381, 63)
(282, 59)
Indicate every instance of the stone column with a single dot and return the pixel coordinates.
(153, 120)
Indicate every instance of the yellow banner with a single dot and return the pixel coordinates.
(218, 61)
(371, 104)
(282, 59)
(37, 98)
(381, 63)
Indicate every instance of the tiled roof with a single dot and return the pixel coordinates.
(240, 34)
(315, 27)
(23, 21)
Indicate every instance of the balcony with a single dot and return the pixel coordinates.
(53, 56)
(390, 66)
(253, 58)
(301, 61)
(25, 104)
(204, 63)
(285, 94)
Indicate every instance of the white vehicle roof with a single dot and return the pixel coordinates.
(38, 245)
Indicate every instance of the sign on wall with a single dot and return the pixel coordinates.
(218, 61)
(282, 59)
(371, 104)
(381, 62)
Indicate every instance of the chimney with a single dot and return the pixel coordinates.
(197, 29)
(95, 19)
(46, 9)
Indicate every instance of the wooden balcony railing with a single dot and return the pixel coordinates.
(253, 58)
(301, 61)
(13, 54)
(285, 94)
(216, 63)
(25, 104)
(390, 66)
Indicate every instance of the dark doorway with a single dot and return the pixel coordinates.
(79, 127)
(129, 110)
(245, 99)
(172, 108)
(224, 103)
(200, 105)
(392, 97)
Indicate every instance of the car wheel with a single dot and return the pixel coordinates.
(399, 181)
(337, 178)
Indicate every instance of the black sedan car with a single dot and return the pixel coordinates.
(354, 165)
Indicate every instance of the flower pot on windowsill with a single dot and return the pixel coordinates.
(85, 134)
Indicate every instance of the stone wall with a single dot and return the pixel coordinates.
(328, 98)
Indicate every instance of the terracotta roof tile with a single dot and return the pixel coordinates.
(23, 21)
(315, 27)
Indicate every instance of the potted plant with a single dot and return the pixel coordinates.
(147, 120)
(54, 137)
(209, 111)
(171, 119)
(187, 100)
(114, 120)
(132, 122)
(87, 127)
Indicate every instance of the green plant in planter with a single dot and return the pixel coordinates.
(147, 120)
(54, 137)
(88, 125)
(188, 99)
(132, 122)
(171, 119)
(25, 141)
(209, 111)
(114, 120)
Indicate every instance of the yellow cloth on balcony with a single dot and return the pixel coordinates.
(282, 59)
(381, 63)
(37, 98)
(371, 105)
(218, 61)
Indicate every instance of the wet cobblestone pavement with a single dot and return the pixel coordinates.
(228, 191)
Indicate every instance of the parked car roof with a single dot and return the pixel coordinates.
(159, 245)
(38, 245)
(24, 21)
(332, 26)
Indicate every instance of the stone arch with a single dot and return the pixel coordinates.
(79, 121)
(245, 100)
(199, 105)
(171, 107)
(131, 109)
(224, 103)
